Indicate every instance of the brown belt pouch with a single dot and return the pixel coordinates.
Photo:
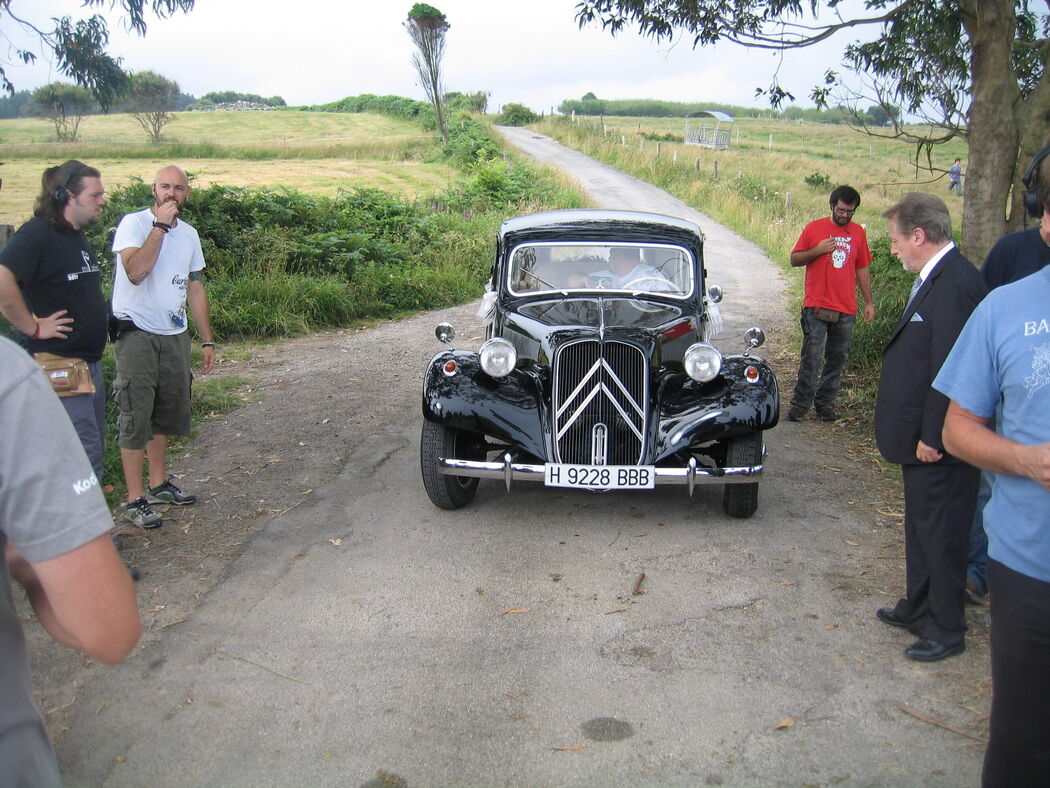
(827, 315)
(69, 377)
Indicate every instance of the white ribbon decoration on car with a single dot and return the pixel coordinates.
(487, 310)
(714, 324)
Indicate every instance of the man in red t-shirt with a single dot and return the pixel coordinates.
(835, 252)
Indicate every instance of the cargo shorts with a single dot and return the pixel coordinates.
(152, 387)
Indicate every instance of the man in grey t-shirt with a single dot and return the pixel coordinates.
(54, 531)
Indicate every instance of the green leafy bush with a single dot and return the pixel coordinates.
(516, 115)
(818, 180)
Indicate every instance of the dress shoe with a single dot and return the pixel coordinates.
(930, 650)
(887, 615)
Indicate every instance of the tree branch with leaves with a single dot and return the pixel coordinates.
(78, 46)
(975, 69)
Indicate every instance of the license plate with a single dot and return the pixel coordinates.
(600, 477)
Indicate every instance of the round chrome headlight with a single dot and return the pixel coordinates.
(702, 362)
(498, 357)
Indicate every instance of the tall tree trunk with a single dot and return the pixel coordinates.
(992, 131)
(1033, 121)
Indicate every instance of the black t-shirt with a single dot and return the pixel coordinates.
(57, 270)
(1015, 256)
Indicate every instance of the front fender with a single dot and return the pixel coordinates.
(692, 413)
(509, 408)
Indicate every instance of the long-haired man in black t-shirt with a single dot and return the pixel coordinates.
(51, 288)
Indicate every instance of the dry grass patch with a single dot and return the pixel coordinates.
(21, 177)
(224, 128)
(314, 152)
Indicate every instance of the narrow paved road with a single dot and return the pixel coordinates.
(365, 638)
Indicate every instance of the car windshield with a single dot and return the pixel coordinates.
(583, 267)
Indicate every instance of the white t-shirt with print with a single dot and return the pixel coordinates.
(158, 303)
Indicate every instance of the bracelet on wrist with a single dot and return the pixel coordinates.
(162, 226)
(36, 331)
(207, 344)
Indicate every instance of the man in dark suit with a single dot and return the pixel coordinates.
(940, 491)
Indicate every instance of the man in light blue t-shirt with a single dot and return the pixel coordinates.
(1004, 353)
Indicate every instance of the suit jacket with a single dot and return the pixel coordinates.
(907, 409)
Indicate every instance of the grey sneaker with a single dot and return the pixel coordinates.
(169, 493)
(141, 514)
(828, 414)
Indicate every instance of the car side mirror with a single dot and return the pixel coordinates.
(714, 292)
(445, 333)
(755, 337)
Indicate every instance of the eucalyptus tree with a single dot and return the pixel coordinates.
(427, 27)
(151, 100)
(64, 105)
(974, 69)
(78, 45)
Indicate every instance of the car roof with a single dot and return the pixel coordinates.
(586, 225)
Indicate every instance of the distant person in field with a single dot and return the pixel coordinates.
(158, 272)
(835, 254)
(955, 178)
(51, 289)
(55, 543)
(1014, 256)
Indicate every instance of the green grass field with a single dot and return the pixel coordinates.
(761, 188)
(314, 152)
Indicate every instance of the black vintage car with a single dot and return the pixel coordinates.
(597, 371)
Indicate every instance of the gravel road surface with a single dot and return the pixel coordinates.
(314, 620)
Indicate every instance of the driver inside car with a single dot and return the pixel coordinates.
(627, 271)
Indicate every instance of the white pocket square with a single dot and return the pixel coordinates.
(916, 318)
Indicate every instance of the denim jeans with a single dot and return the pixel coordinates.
(88, 414)
(829, 342)
(978, 563)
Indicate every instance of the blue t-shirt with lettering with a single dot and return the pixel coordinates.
(1004, 350)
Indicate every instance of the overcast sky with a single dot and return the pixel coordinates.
(532, 52)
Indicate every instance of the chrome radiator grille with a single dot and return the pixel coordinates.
(601, 395)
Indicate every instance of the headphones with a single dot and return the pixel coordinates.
(61, 195)
(1031, 183)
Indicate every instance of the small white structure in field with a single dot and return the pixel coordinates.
(700, 130)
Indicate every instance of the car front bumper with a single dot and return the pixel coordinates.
(689, 475)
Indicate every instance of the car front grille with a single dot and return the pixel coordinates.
(600, 403)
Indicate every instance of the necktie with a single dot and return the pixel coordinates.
(914, 289)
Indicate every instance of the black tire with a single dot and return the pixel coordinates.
(437, 441)
(741, 500)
